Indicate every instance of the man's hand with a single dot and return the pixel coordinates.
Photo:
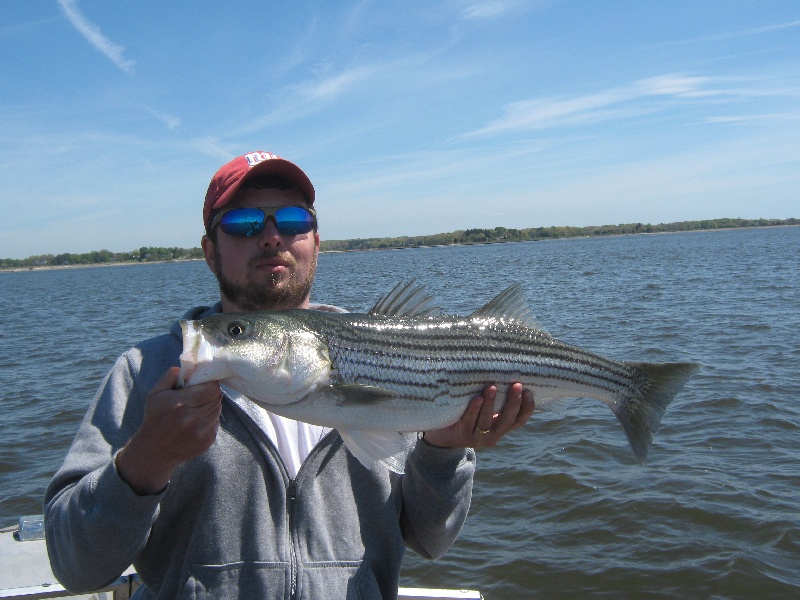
(480, 426)
(178, 425)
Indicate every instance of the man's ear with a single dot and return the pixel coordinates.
(207, 244)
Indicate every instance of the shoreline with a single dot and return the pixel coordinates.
(97, 265)
(579, 237)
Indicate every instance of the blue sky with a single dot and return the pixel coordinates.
(409, 117)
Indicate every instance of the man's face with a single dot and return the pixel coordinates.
(268, 270)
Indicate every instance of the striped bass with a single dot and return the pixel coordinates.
(406, 367)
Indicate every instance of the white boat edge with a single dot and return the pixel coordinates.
(25, 574)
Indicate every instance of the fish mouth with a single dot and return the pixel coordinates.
(197, 353)
(185, 375)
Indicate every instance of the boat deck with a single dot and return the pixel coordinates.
(25, 573)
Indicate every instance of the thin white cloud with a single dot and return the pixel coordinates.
(485, 9)
(739, 34)
(481, 10)
(767, 29)
(16, 29)
(306, 98)
(353, 17)
(171, 121)
(332, 86)
(95, 37)
(539, 113)
(672, 84)
(776, 117)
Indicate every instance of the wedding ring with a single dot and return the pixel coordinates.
(484, 431)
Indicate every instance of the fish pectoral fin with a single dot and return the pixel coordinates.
(353, 393)
(388, 448)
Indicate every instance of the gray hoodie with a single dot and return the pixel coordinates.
(232, 523)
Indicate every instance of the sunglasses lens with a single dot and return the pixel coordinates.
(292, 220)
(247, 222)
(243, 222)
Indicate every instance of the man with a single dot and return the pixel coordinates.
(209, 495)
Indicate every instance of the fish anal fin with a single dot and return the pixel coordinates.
(388, 448)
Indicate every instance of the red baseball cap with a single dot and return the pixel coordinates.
(229, 178)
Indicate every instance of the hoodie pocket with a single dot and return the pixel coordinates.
(350, 580)
(238, 580)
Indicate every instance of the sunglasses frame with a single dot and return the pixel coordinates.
(267, 212)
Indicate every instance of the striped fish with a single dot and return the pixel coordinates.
(406, 367)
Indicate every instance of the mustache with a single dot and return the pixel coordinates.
(268, 254)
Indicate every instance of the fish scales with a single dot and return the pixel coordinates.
(461, 360)
(373, 352)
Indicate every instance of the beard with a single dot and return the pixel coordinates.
(272, 295)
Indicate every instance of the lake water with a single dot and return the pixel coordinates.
(561, 509)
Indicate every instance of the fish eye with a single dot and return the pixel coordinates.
(237, 329)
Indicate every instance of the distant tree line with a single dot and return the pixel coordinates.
(468, 236)
(100, 257)
(504, 234)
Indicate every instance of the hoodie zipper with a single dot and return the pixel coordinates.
(291, 501)
(271, 452)
(291, 505)
(291, 487)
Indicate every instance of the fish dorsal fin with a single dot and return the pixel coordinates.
(406, 300)
(509, 305)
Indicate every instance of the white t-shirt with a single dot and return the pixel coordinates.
(293, 439)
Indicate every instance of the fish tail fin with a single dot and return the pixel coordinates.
(641, 414)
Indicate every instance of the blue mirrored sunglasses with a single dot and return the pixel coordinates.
(250, 221)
